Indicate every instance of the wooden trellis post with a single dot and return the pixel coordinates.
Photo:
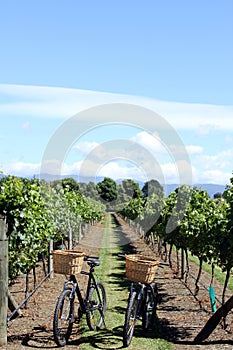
(3, 281)
(51, 259)
(182, 263)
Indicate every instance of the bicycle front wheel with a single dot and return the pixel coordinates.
(130, 319)
(149, 309)
(63, 318)
(96, 306)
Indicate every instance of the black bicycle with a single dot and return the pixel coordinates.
(142, 302)
(69, 310)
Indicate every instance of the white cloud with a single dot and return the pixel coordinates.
(62, 103)
(71, 169)
(115, 171)
(192, 149)
(229, 139)
(213, 176)
(154, 145)
(21, 169)
(150, 142)
(85, 147)
(205, 129)
(221, 160)
(179, 172)
(167, 174)
(213, 168)
(137, 150)
(55, 102)
(26, 126)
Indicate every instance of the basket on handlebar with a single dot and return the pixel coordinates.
(68, 262)
(141, 268)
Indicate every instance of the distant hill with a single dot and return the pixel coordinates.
(80, 179)
(168, 188)
(211, 189)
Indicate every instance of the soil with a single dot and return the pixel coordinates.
(181, 315)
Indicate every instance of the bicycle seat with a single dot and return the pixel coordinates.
(93, 262)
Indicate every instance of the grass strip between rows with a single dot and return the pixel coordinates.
(112, 274)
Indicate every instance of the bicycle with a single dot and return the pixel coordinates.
(93, 305)
(142, 302)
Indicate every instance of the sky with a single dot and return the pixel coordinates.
(125, 89)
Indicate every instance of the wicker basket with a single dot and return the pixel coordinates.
(67, 262)
(141, 268)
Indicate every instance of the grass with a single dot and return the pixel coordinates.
(218, 274)
(112, 273)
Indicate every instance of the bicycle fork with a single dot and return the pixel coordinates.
(139, 297)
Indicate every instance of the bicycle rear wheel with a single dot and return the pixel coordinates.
(63, 318)
(130, 319)
(150, 306)
(96, 306)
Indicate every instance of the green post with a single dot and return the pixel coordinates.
(212, 298)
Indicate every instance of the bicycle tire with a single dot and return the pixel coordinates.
(63, 318)
(96, 306)
(149, 308)
(130, 319)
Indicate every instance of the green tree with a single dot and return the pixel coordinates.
(89, 190)
(126, 191)
(68, 183)
(152, 187)
(107, 189)
(131, 188)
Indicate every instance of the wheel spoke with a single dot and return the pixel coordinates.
(96, 306)
(63, 318)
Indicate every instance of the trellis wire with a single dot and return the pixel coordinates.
(28, 297)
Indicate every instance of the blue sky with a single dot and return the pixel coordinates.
(174, 58)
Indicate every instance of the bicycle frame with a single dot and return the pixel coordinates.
(84, 306)
(139, 288)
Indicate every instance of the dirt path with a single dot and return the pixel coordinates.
(179, 313)
(182, 316)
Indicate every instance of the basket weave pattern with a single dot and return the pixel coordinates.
(67, 262)
(141, 268)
